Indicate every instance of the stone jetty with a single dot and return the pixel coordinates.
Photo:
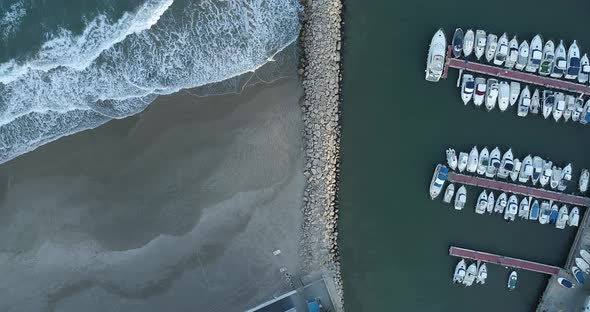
(320, 72)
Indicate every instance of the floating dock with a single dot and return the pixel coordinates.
(510, 74)
(504, 261)
(519, 189)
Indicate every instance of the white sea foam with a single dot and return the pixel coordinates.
(11, 20)
(191, 44)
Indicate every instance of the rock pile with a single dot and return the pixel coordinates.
(320, 41)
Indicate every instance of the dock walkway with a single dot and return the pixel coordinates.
(504, 261)
(519, 189)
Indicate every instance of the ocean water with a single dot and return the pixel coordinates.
(68, 66)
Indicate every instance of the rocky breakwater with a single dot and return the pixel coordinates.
(321, 75)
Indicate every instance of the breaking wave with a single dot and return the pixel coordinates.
(10, 21)
(115, 69)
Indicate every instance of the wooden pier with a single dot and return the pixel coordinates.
(511, 74)
(518, 189)
(504, 261)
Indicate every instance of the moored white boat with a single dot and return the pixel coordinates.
(573, 61)
(515, 170)
(554, 213)
(482, 203)
(491, 46)
(547, 172)
(537, 169)
(512, 53)
(578, 109)
(548, 57)
(470, 275)
(482, 274)
(582, 264)
(504, 95)
(524, 208)
(535, 102)
(548, 103)
(458, 42)
(585, 256)
(480, 91)
(492, 93)
(535, 210)
(512, 279)
(555, 177)
(501, 203)
(584, 69)
(451, 158)
(460, 271)
(562, 217)
(473, 159)
(502, 50)
(585, 116)
(494, 163)
(511, 209)
(438, 180)
(506, 165)
(526, 171)
(449, 193)
(545, 212)
(564, 282)
(578, 274)
(559, 63)
(480, 43)
(574, 218)
(559, 106)
(569, 107)
(583, 182)
(491, 202)
(462, 161)
(484, 160)
(535, 55)
(514, 92)
(566, 176)
(468, 42)
(436, 56)
(461, 198)
(467, 87)
(524, 102)
(523, 55)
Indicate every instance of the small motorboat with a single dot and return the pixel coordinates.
(524, 209)
(523, 55)
(537, 169)
(512, 279)
(582, 264)
(566, 176)
(482, 203)
(573, 61)
(484, 161)
(501, 203)
(451, 158)
(470, 275)
(459, 274)
(472, 161)
(548, 103)
(526, 171)
(548, 58)
(515, 170)
(512, 54)
(504, 96)
(562, 217)
(493, 89)
(524, 103)
(491, 47)
(482, 274)
(506, 165)
(514, 92)
(458, 42)
(438, 180)
(461, 198)
(502, 50)
(556, 176)
(585, 256)
(535, 55)
(564, 282)
(480, 43)
(569, 107)
(463, 157)
(511, 209)
(467, 88)
(578, 109)
(584, 69)
(554, 214)
(468, 42)
(559, 106)
(547, 173)
(545, 213)
(535, 102)
(480, 91)
(535, 210)
(574, 218)
(491, 202)
(578, 274)
(560, 63)
(583, 182)
(449, 193)
(585, 116)
(494, 164)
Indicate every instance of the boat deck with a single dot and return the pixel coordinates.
(504, 261)
(519, 189)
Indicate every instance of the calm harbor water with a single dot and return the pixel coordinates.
(396, 126)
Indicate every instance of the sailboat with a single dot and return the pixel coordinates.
(480, 43)
(535, 55)
(524, 103)
(512, 54)
(548, 58)
(468, 42)
(560, 63)
(523, 55)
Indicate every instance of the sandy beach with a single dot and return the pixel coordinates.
(177, 208)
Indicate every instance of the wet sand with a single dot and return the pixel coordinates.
(177, 208)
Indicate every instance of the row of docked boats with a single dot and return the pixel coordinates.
(545, 59)
(581, 266)
(467, 275)
(503, 166)
(491, 93)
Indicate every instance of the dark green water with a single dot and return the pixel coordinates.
(396, 126)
